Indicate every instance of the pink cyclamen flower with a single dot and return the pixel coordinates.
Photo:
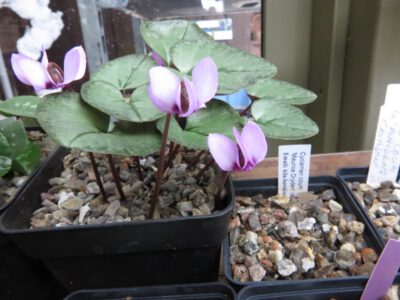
(47, 77)
(171, 95)
(250, 148)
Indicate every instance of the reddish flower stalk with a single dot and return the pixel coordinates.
(209, 164)
(171, 156)
(116, 177)
(138, 167)
(160, 169)
(196, 159)
(97, 175)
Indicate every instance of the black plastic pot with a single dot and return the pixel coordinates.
(357, 174)
(321, 291)
(269, 187)
(262, 292)
(206, 291)
(152, 252)
(22, 277)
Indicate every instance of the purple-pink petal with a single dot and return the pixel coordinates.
(205, 80)
(29, 71)
(254, 139)
(74, 65)
(157, 58)
(164, 89)
(192, 98)
(247, 163)
(223, 150)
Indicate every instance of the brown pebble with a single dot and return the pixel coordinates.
(280, 214)
(369, 255)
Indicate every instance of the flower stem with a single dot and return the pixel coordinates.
(253, 98)
(97, 175)
(171, 157)
(196, 159)
(160, 169)
(138, 167)
(116, 177)
(206, 167)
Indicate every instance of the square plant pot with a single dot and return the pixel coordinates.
(268, 187)
(360, 175)
(203, 291)
(23, 277)
(151, 252)
(321, 291)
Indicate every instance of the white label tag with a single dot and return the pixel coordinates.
(294, 169)
(385, 157)
(393, 95)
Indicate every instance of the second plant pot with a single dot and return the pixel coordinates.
(165, 251)
(268, 188)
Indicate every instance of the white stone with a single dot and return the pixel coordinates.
(307, 264)
(83, 211)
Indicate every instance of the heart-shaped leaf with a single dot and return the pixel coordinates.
(281, 91)
(72, 123)
(282, 121)
(14, 132)
(108, 99)
(161, 36)
(23, 106)
(4, 145)
(5, 165)
(218, 117)
(28, 160)
(126, 72)
(236, 69)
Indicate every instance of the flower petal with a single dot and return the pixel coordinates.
(29, 71)
(157, 58)
(191, 97)
(205, 80)
(223, 150)
(254, 139)
(74, 64)
(45, 60)
(164, 89)
(244, 162)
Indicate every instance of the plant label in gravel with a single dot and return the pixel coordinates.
(385, 160)
(294, 169)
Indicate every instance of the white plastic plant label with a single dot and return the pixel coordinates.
(393, 95)
(385, 159)
(294, 169)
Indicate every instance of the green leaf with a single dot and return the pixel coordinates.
(5, 165)
(28, 160)
(14, 132)
(126, 72)
(108, 99)
(236, 69)
(281, 91)
(161, 36)
(282, 121)
(73, 123)
(24, 106)
(218, 117)
(4, 145)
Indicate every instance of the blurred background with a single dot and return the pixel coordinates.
(346, 51)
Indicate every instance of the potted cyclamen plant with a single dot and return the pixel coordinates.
(138, 218)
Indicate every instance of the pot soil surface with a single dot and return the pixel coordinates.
(74, 197)
(382, 204)
(299, 237)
